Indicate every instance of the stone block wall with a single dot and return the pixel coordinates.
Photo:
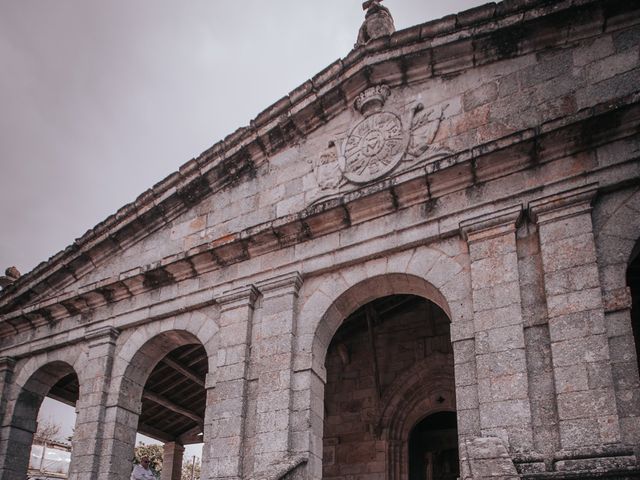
(513, 207)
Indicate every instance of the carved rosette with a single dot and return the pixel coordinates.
(374, 147)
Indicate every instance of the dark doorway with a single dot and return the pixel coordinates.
(433, 448)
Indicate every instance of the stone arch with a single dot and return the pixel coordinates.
(137, 354)
(422, 391)
(72, 357)
(33, 381)
(616, 231)
(617, 236)
(430, 392)
(423, 271)
(190, 327)
(438, 275)
(415, 395)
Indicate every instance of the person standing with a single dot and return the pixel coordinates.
(142, 471)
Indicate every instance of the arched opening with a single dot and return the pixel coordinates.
(389, 365)
(433, 448)
(633, 282)
(174, 399)
(36, 448)
(166, 383)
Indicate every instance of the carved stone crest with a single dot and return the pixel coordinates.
(380, 142)
(327, 169)
(374, 147)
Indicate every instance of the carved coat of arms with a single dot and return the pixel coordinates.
(378, 143)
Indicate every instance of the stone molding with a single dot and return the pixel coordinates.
(102, 335)
(492, 224)
(562, 205)
(7, 364)
(281, 285)
(238, 297)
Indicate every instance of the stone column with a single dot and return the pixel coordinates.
(7, 365)
(226, 401)
(501, 364)
(274, 343)
(6, 373)
(172, 461)
(91, 439)
(581, 362)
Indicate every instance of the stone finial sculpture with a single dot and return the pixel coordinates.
(378, 23)
(10, 276)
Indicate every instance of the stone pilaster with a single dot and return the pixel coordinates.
(225, 418)
(90, 439)
(274, 343)
(6, 373)
(501, 364)
(7, 365)
(581, 361)
(466, 380)
(172, 461)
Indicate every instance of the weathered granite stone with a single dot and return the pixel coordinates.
(446, 220)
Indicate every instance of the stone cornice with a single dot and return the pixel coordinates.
(409, 188)
(562, 205)
(491, 224)
(238, 297)
(436, 48)
(286, 283)
(102, 335)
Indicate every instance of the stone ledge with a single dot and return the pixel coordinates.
(285, 283)
(563, 204)
(492, 224)
(629, 474)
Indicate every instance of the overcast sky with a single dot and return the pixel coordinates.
(99, 100)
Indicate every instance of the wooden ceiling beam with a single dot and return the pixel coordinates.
(190, 374)
(193, 435)
(174, 407)
(155, 433)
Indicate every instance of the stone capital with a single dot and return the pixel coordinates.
(562, 205)
(238, 297)
(493, 224)
(7, 364)
(102, 335)
(282, 284)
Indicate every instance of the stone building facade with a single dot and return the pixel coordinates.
(422, 263)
